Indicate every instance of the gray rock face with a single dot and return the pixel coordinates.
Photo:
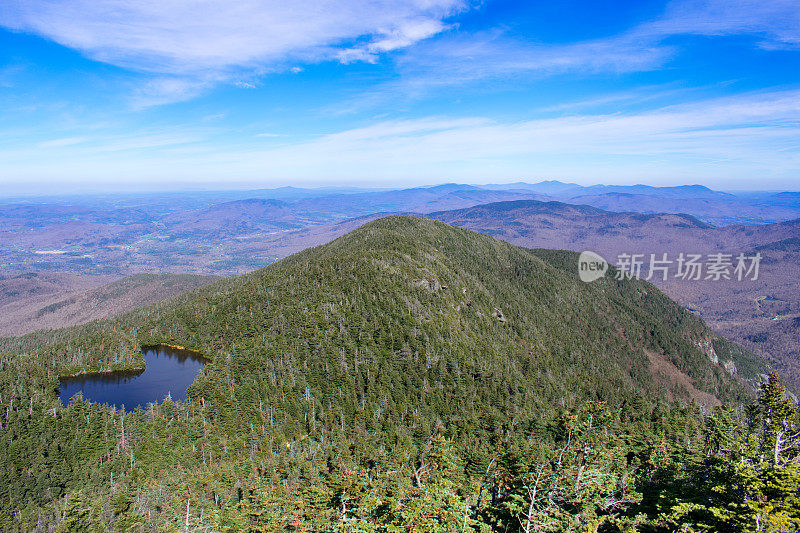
(707, 347)
(430, 285)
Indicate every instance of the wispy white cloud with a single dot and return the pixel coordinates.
(722, 139)
(775, 23)
(58, 143)
(459, 58)
(190, 46)
(403, 35)
(147, 141)
(754, 129)
(8, 74)
(96, 143)
(163, 90)
(621, 99)
(463, 58)
(188, 36)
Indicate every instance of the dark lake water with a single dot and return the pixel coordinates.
(167, 371)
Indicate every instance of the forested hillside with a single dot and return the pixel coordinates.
(762, 313)
(409, 376)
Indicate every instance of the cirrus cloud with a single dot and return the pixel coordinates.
(724, 140)
(191, 36)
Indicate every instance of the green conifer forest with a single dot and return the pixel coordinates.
(407, 377)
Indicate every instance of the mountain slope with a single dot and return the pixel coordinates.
(577, 227)
(239, 217)
(36, 304)
(417, 200)
(715, 207)
(760, 314)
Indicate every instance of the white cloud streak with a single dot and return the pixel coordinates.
(776, 23)
(192, 36)
(403, 36)
(461, 58)
(58, 143)
(191, 46)
(755, 129)
(466, 58)
(723, 139)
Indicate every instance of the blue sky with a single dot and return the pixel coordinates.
(146, 94)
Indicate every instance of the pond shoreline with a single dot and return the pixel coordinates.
(90, 373)
(189, 351)
(138, 369)
(163, 371)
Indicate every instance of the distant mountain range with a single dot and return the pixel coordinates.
(715, 207)
(206, 233)
(561, 189)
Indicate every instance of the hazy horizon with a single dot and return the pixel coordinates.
(9, 193)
